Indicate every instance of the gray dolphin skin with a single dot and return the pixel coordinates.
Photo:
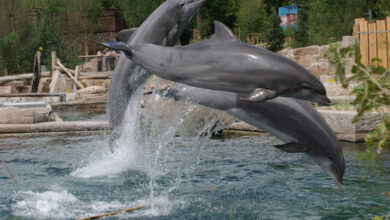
(164, 25)
(295, 122)
(227, 64)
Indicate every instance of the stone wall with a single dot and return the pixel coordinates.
(313, 59)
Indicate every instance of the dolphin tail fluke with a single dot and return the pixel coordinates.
(118, 45)
(260, 95)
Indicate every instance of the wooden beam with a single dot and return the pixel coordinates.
(388, 41)
(96, 76)
(5, 79)
(53, 62)
(382, 44)
(372, 42)
(363, 27)
(37, 73)
(356, 35)
(76, 76)
(75, 81)
(54, 80)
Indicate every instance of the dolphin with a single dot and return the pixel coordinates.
(164, 26)
(295, 122)
(227, 64)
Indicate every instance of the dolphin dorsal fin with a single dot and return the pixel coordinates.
(125, 35)
(221, 32)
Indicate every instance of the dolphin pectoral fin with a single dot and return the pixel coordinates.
(260, 95)
(125, 35)
(118, 45)
(172, 36)
(293, 148)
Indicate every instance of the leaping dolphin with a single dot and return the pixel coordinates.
(295, 122)
(164, 25)
(227, 64)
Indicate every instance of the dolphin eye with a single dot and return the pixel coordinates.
(182, 4)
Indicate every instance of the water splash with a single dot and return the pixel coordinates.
(59, 203)
(145, 139)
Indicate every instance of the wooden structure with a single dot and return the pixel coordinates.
(374, 40)
(57, 68)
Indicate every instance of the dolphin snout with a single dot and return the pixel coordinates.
(334, 167)
(322, 100)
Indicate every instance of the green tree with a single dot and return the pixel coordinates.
(299, 35)
(274, 35)
(135, 11)
(383, 8)
(221, 10)
(17, 34)
(60, 25)
(252, 17)
(332, 19)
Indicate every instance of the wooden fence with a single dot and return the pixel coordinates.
(374, 40)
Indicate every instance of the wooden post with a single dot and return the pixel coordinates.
(53, 62)
(372, 42)
(356, 29)
(55, 76)
(388, 41)
(76, 77)
(37, 72)
(382, 44)
(364, 42)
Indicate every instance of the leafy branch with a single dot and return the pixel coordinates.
(372, 89)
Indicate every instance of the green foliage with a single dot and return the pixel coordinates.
(220, 10)
(55, 25)
(299, 35)
(135, 11)
(331, 20)
(252, 18)
(383, 8)
(274, 34)
(372, 90)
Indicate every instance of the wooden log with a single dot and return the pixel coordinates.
(96, 76)
(37, 73)
(5, 79)
(54, 80)
(53, 62)
(76, 76)
(372, 42)
(54, 127)
(45, 74)
(75, 81)
(95, 73)
(22, 76)
(382, 44)
(115, 213)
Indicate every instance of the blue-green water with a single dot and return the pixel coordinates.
(69, 177)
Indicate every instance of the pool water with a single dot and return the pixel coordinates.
(70, 177)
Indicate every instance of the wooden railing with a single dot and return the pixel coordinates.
(374, 40)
